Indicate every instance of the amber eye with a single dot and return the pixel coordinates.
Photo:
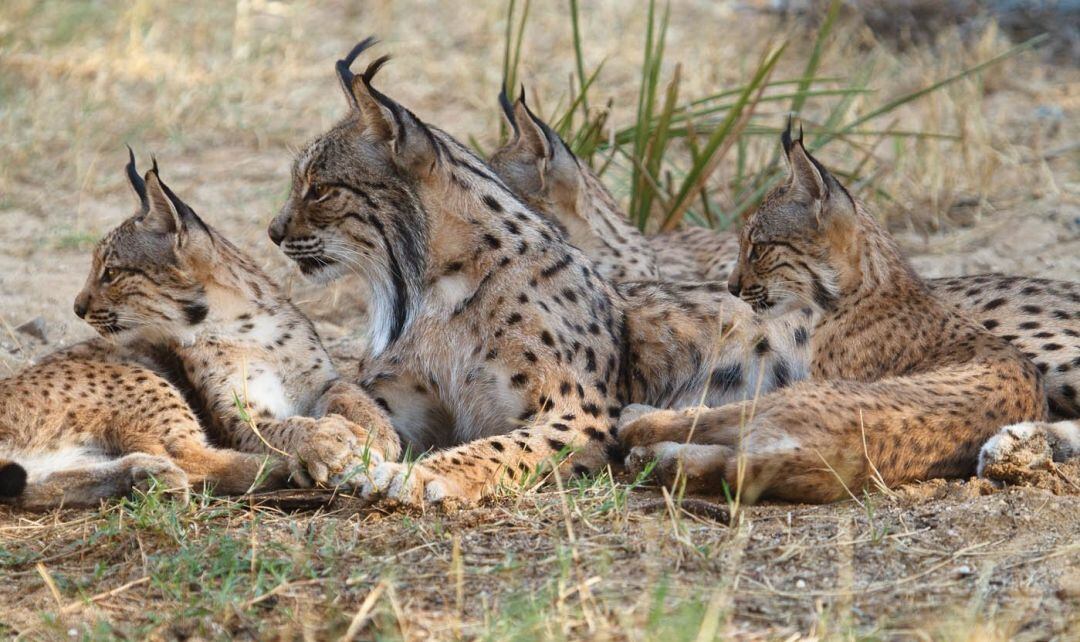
(108, 275)
(753, 253)
(316, 191)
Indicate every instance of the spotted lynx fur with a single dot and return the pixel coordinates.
(195, 331)
(902, 384)
(494, 343)
(1039, 316)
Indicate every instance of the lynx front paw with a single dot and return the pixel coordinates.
(329, 450)
(412, 484)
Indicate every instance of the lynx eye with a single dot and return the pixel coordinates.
(753, 253)
(109, 275)
(317, 191)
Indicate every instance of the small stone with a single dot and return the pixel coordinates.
(800, 584)
(35, 328)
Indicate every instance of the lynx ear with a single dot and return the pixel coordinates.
(166, 213)
(540, 142)
(806, 176)
(376, 119)
(531, 139)
(383, 120)
(161, 216)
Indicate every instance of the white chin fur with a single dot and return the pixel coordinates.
(785, 304)
(325, 274)
(183, 334)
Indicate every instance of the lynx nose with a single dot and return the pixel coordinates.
(81, 305)
(276, 231)
(734, 287)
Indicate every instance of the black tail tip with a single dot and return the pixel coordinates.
(12, 480)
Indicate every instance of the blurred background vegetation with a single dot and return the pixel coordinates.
(678, 103)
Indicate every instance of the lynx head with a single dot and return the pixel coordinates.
(538, 166)
(354, 204)
(149, 272)
(801, 246)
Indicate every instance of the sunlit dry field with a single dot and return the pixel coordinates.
(980, 175)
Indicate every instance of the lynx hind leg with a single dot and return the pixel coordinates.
(1028, 446)
(755, 458)
(231, 472)
(87, 484)
(641, 426)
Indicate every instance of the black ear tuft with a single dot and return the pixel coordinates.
(136, 181)
(342, 66)
(785, 137)
(374, 68)
(507, 108)
(369, 75)
(12, 480)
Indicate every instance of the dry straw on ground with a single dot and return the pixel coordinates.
(223, 92)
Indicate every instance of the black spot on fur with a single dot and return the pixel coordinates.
(727, 378)
(195, 312)
(801, 336)
(781, 374)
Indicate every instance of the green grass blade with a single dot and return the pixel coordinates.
(579, 59)
(721, 138)
(814, 61)
(564, 124)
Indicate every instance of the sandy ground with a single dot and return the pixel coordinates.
(942, 560)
